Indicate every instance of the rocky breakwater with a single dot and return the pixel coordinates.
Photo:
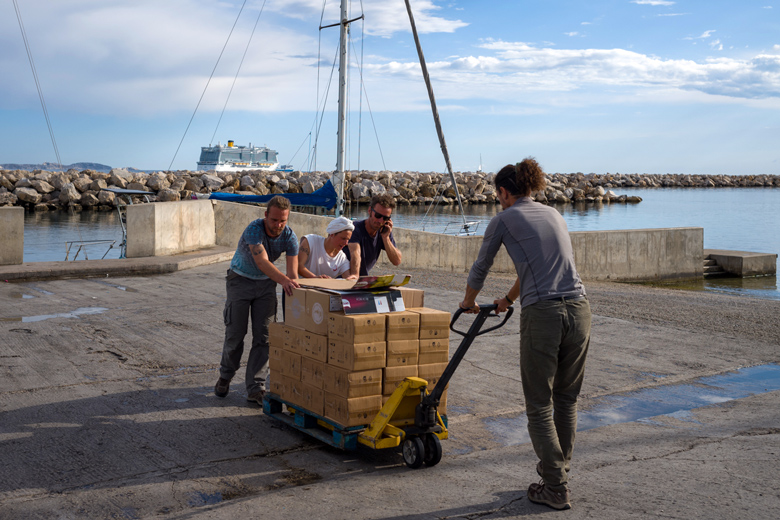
(86, 189)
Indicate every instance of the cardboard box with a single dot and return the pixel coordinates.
(402, 352)
(295, 309)
(278, 384)
(412, 297)
(312, 399)
(312, 372)
(293, 392)
(290, 365)
(344, 383)
(356, 356)
(402, 325)
(318, 306)
(315, 346)
(393, 376)
(434, 351)
(431, 373)
(361, 328)
(276, 334)
(434, 324)
(356, 411)
(294, 339)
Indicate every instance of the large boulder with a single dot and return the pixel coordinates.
(168, 195)
(106, 198)
(158, 182)
(42, 186)
(193, 184)
(24, 182)
(8, 199)
(28, 195)
(89, 200)
(69, 194)
(98, 185)
(83, 183)
(212, 182)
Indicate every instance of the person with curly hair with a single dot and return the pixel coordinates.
(555, 320)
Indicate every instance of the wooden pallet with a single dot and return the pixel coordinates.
(317, 426)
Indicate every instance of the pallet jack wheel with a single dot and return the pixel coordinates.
(432, 450)
(413, 451)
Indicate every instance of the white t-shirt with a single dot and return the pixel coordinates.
(320, 263)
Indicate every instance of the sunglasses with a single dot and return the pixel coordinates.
(379, 215)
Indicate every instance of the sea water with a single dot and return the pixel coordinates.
(742, 219)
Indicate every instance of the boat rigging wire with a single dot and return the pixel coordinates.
(241, 63)
(207, 84)
(37, 84)
(373, 122)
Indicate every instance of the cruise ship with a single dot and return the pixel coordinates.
(232, 158)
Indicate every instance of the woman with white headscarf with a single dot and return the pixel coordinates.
(322, 257)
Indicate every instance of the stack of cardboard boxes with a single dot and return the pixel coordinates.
(344, 367)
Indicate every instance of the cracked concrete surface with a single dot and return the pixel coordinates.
(112, 414)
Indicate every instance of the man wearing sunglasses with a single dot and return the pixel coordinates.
(373, 235)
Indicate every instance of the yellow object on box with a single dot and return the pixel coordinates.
(394, 376)
(434, 351)
(312, 372)
(402, 325)
(434, 324)
(356, 356)
(402, 352)
(358, 328)
(356, 411)
(348, 384)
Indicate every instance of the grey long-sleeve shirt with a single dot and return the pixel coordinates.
(537, 240)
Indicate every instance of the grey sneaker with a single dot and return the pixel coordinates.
(256, 397)
(222, 387)
(541, 494)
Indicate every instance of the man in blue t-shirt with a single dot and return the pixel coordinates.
(373, 235)
(251, 289)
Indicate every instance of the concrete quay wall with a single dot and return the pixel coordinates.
(11, 235)
(640, 254)
(161, 229)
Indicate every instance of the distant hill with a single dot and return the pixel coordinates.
(52, 167)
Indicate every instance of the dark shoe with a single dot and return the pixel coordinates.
(541, 494)
(222, 387)
(256, 397)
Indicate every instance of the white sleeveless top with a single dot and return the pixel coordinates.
(320, 263)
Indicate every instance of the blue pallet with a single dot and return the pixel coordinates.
(306, 421)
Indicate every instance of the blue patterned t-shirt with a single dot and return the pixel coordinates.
(245, 265)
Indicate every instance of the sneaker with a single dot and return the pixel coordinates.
(541, 494)
(222, 387)
(256, 397)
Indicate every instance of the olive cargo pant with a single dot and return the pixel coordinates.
(554, 338)
(247, 297)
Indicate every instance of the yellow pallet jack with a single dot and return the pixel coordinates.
(410, 417)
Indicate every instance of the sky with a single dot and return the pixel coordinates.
(600, 86)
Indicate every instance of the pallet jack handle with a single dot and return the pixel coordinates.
(485, 312)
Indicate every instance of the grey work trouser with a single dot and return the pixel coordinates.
(247, 297)
(554, 338)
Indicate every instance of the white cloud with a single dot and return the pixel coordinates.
(703, 36)
(715, 44)
(573, 33)
(652, 2)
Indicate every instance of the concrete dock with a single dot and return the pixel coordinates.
(107, 411)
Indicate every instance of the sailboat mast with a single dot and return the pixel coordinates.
(435, 113)
(341, 147)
